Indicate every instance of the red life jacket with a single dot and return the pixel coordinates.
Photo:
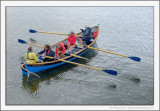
(95, 34)
(47, 52)
(61, 49)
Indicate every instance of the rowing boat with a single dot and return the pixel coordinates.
(79, 50)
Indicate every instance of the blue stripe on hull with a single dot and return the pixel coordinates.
(24, 72)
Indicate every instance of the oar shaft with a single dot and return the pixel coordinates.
(52, 33)
(107, 51)
(80, 64)
(57, 33)
(75, 56)
(103, 50)
(36, 45)
(78, 56)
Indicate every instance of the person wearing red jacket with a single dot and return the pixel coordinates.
(71, 41)
(60, 49)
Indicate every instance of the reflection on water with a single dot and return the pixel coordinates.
(31, 84)
(32, 40)
(31, 87)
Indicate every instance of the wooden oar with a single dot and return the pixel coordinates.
(131, 57)
(75, 55)
(107, 71)
(34, 31)
(24, 42)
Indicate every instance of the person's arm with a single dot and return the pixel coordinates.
(35, 57)
(63, 49)
(68, 41)
(26, 56)
(56, 53)
(82, 30)
(41, 52)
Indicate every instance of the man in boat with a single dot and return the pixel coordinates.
(31, 56)
(48, 52)
(71, 41)
(60, 50)
(86, 34)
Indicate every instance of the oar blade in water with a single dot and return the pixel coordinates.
(22, 41)
(110, 72)
(32, 31)
(135, 58)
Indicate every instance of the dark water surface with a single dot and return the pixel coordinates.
(123, 30)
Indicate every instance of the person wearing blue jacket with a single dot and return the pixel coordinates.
(48, 52)
(86, 34)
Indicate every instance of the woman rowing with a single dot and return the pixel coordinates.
(71, 41)
(48, 52)
(60, 50)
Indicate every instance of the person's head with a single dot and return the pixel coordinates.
(47, 46)
(71, 33)
(30, 48)
(86, 26)
(58, 46)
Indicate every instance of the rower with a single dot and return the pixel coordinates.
(71, 41)
(48, 52)
(31, 56)
(60, 50)
(86, 33)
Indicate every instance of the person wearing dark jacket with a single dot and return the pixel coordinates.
(86, 34)
(48, 52)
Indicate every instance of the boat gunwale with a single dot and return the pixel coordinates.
(45, 63)
(22, 66)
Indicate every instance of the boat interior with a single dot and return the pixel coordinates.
(78, 48)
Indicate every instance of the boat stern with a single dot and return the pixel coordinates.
(24, 72)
